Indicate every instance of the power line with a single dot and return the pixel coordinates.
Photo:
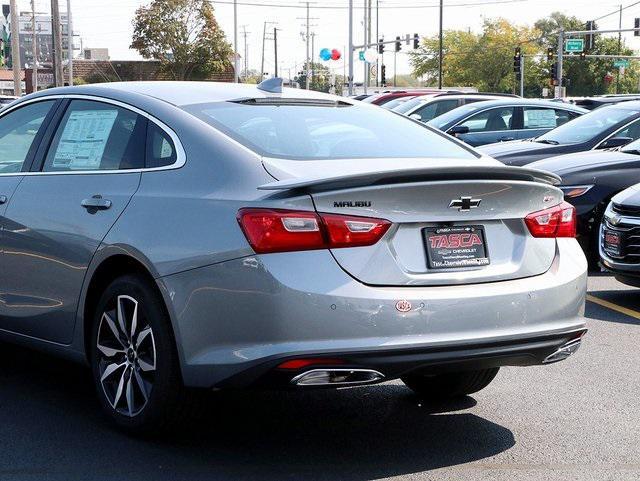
(344, 7)
(617, 11)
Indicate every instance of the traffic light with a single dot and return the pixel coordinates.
(550, 54)
(398, 44)
(589, 39)
(381, 46)
(383, 74)
(636, 25)
(416, 41)
(517, 60)
(554, 71)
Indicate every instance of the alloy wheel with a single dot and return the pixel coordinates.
(126, 356)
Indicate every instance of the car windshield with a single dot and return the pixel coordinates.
(304, 130)
(394, 103)
(587, 126)
(405, 107)
(445, 119)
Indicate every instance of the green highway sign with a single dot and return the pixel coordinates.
(621, 63)
(574, 45)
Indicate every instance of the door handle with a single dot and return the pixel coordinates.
(3, 199)
(96, 203)
(505, 139)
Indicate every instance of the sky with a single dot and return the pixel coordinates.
(108, 24)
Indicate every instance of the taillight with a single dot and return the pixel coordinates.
(275, 230)
(557, 221)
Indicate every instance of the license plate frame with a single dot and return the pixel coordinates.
(455, 247)
(614, 248)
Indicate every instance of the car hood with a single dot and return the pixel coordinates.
(582, 161)
(629, 197)
(503, 149)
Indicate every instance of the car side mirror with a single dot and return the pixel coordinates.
(458, 130)
(615, 142)
(417, 117)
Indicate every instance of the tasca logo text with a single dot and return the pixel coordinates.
(454, 240)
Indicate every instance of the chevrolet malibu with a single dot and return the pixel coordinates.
(180, 236)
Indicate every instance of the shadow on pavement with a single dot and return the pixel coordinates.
(51, 428)
(628, 298)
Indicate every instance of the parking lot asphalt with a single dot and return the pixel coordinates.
(575, 420)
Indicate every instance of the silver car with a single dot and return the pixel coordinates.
(198, 235)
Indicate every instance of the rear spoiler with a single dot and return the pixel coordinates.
(402, 176)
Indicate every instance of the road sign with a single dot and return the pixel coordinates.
(574, 45)
(373, 70)
(621, 63)
(361, 55)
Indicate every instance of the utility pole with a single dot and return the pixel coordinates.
(34, 40)
(365, 78)
(70, 41)
(522, 76)
(377, 37)
(58, 77)
(307, 37)
(313, 55)
(619, 49)
(368, 40)
(246, 52)
(440, 50)
(15, 50)
(275, 50)
(264, 39)
(235, 41)
(350, 80)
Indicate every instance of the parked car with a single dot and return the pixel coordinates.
(619, 233)
(396, 102)
(592, 103)
(389, 95)
(589, 181)
(428, 107)
(206, 235)
(502, 120)
(604, 128)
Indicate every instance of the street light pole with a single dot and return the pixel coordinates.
(235, 41)
(70, 42)
(34, 34)
(440, 49)
(275, 50)
(15, 50)
(350, 47)
(558, 91)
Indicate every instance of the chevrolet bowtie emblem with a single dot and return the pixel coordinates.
(464, 204)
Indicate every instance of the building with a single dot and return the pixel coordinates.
(6, 81)
(95, 54)
(44, 38)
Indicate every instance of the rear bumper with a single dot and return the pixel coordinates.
(235, 321)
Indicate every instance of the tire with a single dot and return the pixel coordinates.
(137, 376)
(450, 385)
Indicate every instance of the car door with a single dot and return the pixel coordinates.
(490, 126)
(537, 120)
(20, 132)
(83, 177)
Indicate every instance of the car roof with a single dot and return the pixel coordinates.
(182, 93)
(522, 102)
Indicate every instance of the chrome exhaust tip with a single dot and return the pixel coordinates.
(337, 377)
(564, 351)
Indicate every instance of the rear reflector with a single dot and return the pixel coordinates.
(275, 230)
(557, 221)
(301, 363)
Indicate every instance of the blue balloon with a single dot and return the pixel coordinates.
(325, 54)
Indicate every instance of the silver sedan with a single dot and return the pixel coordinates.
(177, 236)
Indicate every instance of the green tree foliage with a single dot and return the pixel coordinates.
(321, 80)
(485, 60)
(184, 35)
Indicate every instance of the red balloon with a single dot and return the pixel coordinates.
(335, 54)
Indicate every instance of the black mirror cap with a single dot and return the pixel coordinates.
(459, 129)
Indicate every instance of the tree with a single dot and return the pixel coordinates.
(184, 35)
(320, 80)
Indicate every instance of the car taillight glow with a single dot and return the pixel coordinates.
(276, 230)
(557, 221)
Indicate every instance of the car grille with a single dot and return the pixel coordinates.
(626, 210)
(629, 242)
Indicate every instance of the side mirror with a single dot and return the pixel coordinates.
(615, 142)
(458, 130)
(417, 117)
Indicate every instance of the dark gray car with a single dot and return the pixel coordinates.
(212, 236)
(502, 120)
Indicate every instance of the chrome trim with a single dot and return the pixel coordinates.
(376, 377)
(181, 156)
(563, 351)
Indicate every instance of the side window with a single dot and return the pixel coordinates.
(436, 108)
(445, 105)
(541, 118)
(490, 120)
(160, 149)
(97, 136)
(564, 116)
(18, 129)
(631, 130)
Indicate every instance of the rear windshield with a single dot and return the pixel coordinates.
(325, 131)
(588, 126)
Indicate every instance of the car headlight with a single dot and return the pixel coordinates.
(572, 191)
